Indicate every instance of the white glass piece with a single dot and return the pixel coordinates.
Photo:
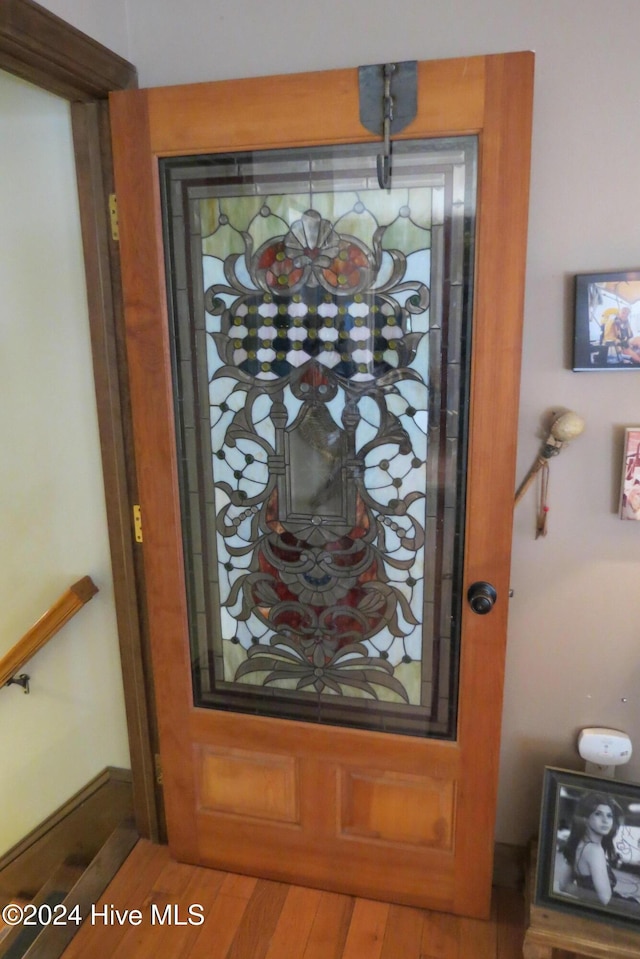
(293, 405)
(365, 433)
(359, 309)
(297, 333)
(395, 404)
(268, 309)
(416, 434)
(362, 356)
(298, 309)
(327, 310)
(219, 423)
(413, 644)
(376, 479)
(385, 273)
(392, 333)
(396, 651)
(421, 420)
(250, 487)
(329, 359)
(359, 333)
(267, 333)
(328, 334)
(220, 389)
(369, 410)
(213, 272)
(414, 392)
(297, 358)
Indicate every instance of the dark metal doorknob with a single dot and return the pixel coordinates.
(481, 597)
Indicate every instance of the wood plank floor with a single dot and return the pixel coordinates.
(246, 918)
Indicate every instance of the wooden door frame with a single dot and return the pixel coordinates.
(39, 47)
(489, 95)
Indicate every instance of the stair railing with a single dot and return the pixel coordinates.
(72, 600)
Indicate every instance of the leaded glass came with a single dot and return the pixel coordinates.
(320, 335)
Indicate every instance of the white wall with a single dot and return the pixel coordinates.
(52, 513)
(572, 656)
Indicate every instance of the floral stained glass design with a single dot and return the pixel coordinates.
(319, 356)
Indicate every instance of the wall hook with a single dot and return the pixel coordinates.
(388, 103)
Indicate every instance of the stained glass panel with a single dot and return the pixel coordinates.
(320, 333)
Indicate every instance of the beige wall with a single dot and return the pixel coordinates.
(572, 656)
(52, 513)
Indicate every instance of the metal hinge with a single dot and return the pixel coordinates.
(113, 216)
(137, 524)
(158, 767)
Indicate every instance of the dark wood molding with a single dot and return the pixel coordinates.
(91, 135)
(76, 830)
(46, 51)
(40, 47)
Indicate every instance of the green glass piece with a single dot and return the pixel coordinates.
(223, 242)
(406, 236)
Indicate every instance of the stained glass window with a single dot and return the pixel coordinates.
(320, 331)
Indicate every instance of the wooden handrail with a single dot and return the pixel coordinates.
(47, 626)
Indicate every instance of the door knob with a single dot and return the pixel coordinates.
(481, 597)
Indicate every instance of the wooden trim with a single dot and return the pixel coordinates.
(92, 138)
(101, 785)
(43, 49)
(64, 608)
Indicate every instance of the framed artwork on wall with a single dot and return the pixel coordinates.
(589, 848)
(630, 487)
(607, 321)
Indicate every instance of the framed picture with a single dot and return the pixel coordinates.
(630, 487)
(607, 321)
(589, 848)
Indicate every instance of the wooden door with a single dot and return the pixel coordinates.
(369, 797)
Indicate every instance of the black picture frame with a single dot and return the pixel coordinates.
(605, 337)
(566, 798)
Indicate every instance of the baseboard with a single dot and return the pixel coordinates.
(75, 833)
(509, 865)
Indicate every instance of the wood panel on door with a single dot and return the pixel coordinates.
(406, 815)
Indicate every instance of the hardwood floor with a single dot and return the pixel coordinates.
(246, 918)
(144, 914)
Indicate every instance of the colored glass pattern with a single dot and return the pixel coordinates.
(320, 329)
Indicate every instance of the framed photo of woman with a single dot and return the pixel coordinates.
(630, 491)
(589, 847)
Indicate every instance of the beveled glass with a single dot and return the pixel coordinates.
(321, 334)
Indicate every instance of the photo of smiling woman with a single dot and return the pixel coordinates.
(588, 861)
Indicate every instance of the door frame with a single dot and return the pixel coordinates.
(43, 49)
(143, 124)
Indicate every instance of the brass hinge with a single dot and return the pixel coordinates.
(113, 216)
(158, 764)
(137, 524)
